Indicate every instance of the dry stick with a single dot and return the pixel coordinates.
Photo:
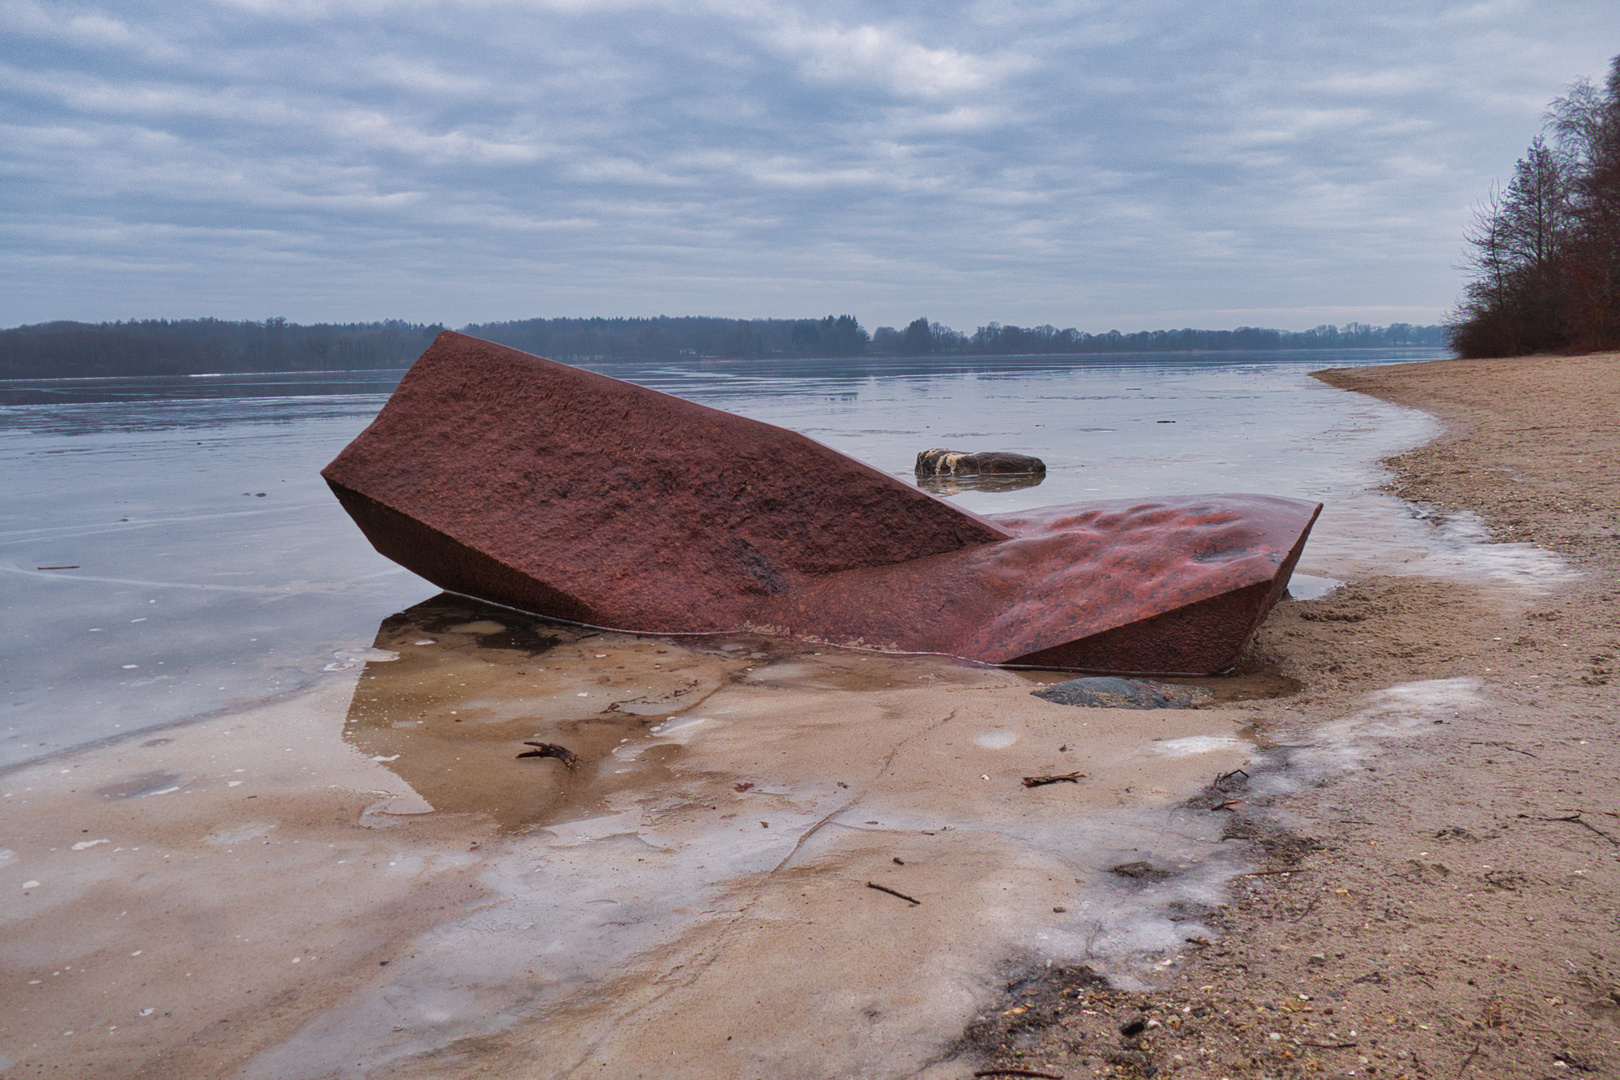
(1505, 746)
(1575, 819)
(1328, 1046)
(1019, 1072)
(1579, 810)
(1310, 907)
(1041, 781)
(1472, 1054)
(912, 900)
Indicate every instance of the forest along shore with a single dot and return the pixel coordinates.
(1440, 807)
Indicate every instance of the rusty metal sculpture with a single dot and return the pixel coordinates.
(572, 495)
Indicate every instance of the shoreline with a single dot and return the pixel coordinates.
(1441, 900)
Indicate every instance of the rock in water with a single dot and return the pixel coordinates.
(568, 494)
(956, 463)
(1111, 692)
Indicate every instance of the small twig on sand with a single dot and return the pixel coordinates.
(1328, 1046)
(912, 900)
(1576, 819)
(1310, 907)
(1268, 873)
(1042, 781)
(1019, 1072)
(1469, 1060)
(552, 750)
(1504, 746)
(1579, 810)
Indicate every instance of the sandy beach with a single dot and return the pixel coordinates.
(1409, 865)
(1443, 821)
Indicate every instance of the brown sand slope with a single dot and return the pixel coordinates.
(1443, 897)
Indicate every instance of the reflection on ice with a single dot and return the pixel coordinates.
(955, 485)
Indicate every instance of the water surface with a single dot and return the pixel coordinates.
(169, 549)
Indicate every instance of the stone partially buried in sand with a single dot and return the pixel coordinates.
(1112, 692)
(568, 494)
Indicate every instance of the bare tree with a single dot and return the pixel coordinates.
(1586, 123)
(1545, 253)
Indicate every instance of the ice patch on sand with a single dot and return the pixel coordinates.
(1196, 744)
(1462, 547)
(1401, 712)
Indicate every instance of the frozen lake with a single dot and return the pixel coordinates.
(169, 551)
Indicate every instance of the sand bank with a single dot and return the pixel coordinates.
(1444, 791)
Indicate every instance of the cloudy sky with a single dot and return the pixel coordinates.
(1098, 164)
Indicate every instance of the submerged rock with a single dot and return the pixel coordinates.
(997, 462)
(1112, 692)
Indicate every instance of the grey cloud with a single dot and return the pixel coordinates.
(1095, 164)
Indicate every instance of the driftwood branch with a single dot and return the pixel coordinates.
(1065, 778)
(912, 900)
(552, 750)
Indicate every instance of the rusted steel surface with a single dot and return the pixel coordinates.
(569, 494)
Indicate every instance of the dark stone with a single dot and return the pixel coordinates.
(957, 463)
(568, 494)
(1112, 692)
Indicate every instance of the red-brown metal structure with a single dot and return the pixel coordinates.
(572, 495)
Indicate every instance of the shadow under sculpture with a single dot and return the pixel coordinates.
(568, 494)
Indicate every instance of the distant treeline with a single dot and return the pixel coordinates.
(1546, 252)
(63, 350)
(197, 346)
(670, 338)
(922, 337)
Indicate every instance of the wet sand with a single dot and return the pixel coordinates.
(365, 879)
